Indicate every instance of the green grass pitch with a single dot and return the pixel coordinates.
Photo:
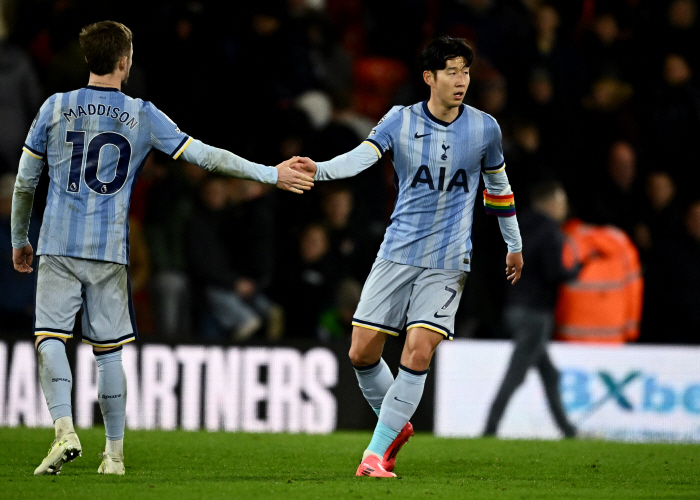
(182, 464)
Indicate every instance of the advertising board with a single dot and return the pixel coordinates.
(627, 393)
(297, 387)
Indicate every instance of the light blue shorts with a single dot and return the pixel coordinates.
(398, 295)
(67, 284)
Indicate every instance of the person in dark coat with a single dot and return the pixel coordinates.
(529, 307)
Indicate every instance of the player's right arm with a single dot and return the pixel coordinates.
(346, 165)
(167, 137)
(31, 164)
(22, 200)
(380, 140)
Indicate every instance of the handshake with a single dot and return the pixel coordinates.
(296, 174)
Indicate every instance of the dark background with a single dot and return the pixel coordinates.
(600, 95)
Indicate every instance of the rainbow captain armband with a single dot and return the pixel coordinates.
(501, 205)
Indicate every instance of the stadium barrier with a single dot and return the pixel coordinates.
(626, 393)
(296, 387)
(630, 393)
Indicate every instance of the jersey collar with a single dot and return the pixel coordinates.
(437, 120)
(103, 89)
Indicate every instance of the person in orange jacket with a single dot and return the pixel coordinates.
(604, 303)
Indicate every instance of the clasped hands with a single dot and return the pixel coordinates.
(296, 174)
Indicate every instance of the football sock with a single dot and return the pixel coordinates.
(374, 381)
(399, 405)
(381, 439)
(63, 426)
(55, 376)
(114, 448)
(111, 392)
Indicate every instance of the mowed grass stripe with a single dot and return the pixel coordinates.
(224, 465)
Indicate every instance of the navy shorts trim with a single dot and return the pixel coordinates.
(372, 326)
(432, 326)
(110, 343)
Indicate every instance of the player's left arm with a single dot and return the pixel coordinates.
(30, 168)
(499, 200)
(224, 162)
(167, 137)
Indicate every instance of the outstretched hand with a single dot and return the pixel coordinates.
(514, 266)
(305, 165)
(22, 259)
(292, 180)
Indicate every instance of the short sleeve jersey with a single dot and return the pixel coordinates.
(95, 141)
(436, 172)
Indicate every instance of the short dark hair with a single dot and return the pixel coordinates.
(545, 190)
(436, 54)
(104, 43)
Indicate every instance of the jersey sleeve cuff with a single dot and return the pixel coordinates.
(516, 248)
(375, 145)
(33, 152)
(19, 245)
(181, 147)
(494, 170)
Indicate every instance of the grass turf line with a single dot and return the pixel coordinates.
(180, 464)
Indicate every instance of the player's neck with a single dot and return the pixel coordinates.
(442, 112)
(113, 80)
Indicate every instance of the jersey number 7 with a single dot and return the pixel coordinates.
(92, 161)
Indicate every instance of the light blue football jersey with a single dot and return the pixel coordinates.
(95, 142)
(436, 172)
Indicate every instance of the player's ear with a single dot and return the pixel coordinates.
(428, 77)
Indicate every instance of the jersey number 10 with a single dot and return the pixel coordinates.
(92, 161)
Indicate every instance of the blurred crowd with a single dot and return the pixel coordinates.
(600, 95)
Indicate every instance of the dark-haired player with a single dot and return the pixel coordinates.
(439, 148)
(95, 141)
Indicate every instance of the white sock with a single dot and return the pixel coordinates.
(115, 448)
(63, 426)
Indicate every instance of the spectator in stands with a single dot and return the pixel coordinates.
(170, 204)
(526, 167)
(607, 115)
(233, 303)
(606, 50)
(548, 49)
(671, 307)
(330, 62)
(249, 238)
(554, 118)
(309, 283)
(682, 33)
(673, 123)
(336, 321)
(492, 95)
(529, 311)
(20, 98)
(617, 200)
(351, 244)
(660, 217)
